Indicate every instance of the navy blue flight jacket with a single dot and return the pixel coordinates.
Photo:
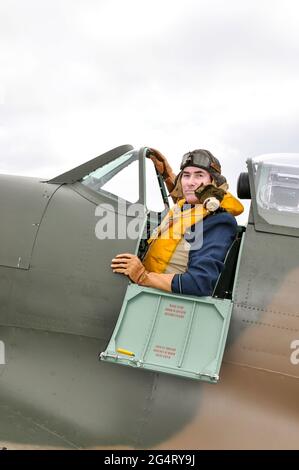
(206, 263)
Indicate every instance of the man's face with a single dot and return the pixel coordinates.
(192, 177)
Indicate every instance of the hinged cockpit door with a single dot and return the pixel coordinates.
(170, 333)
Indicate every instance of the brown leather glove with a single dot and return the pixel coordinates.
(163, 167)
(131, 266)
(209, 191)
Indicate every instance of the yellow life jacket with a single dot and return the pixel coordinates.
(166, 237)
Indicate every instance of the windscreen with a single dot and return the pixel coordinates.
(119, 177)
(277, 188)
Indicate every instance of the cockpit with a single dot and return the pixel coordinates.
(144, 340)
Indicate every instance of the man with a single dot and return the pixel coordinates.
(175, 263)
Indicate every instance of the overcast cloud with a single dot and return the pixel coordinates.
(78, 78)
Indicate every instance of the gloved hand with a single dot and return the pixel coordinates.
(204, 192)
(162, 166)
(130, 265)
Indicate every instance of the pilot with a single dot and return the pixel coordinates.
(186, 252)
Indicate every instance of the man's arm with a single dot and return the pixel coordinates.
(206, 263)
(131, 266)
(204, 267)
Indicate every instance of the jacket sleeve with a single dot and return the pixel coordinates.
(206, 263)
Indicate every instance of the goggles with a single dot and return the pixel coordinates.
(201, 160)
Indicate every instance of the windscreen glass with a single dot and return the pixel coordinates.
(119, 178)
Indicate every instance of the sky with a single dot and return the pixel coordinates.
(79, 77)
